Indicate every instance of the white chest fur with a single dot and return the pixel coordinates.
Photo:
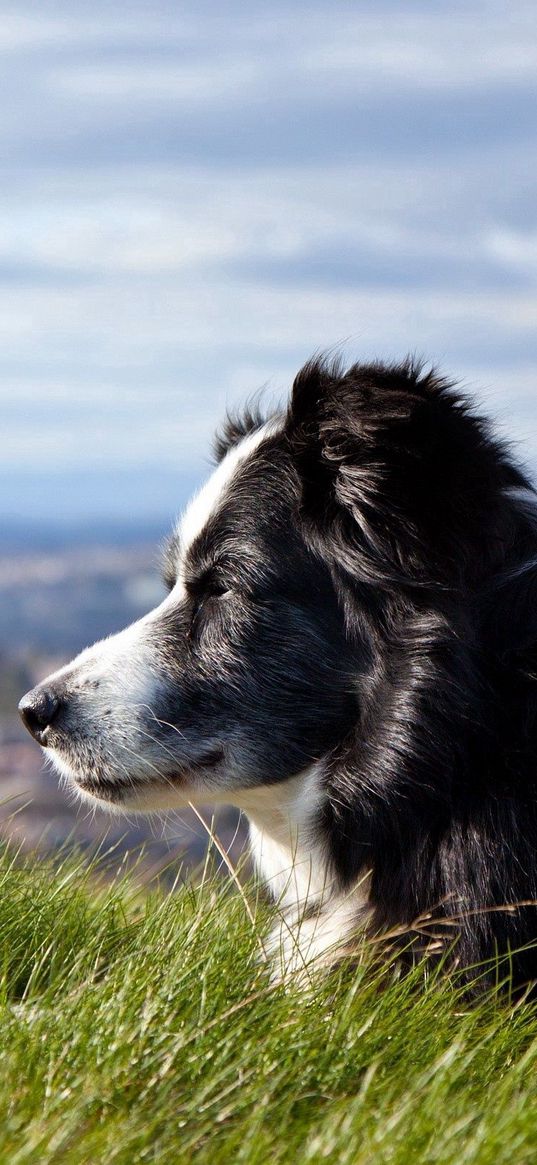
(316, 919)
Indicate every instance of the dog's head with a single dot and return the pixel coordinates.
(376, 483)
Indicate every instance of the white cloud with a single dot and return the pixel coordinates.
(513, 249)
(121, 328)
(426, 50)
(137, 299)
(107, 25)
(169, 221)
(145, 85)
(125, 319)
(169, 441)
(331, 54)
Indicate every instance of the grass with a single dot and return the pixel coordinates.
(142, 1028)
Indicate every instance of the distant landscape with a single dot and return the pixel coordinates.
(61, 588)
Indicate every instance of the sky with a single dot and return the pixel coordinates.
(197, 196)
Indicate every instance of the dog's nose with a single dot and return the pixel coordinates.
(38, 709)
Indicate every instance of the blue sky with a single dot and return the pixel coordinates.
(195, 196)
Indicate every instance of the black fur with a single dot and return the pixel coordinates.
(409, 500)
(361, 597)
(235, 427)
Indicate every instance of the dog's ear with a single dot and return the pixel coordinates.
(399, 478)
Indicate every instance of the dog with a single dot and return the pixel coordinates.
(348, 653)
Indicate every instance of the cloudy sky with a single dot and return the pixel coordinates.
(195, 196)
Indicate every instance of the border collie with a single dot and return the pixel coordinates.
(348, 652)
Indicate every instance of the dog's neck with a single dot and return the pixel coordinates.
(287, 856)
(318, 920)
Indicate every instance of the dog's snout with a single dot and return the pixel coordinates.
(38, 709)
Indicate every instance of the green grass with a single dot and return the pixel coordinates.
(140, 1028)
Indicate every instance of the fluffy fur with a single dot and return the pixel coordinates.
(349, 653)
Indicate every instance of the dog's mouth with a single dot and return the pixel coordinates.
(131, 788)
(103, 789)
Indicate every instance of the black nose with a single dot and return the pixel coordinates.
(38, 709)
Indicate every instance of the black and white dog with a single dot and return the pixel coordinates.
(348, 652)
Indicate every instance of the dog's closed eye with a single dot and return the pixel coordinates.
(206, 589)
(214, 589)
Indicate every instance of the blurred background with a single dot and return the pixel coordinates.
(195, 197)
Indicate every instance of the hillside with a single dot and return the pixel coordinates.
(143, 1028)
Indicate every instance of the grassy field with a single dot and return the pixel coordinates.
(140, 1028)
